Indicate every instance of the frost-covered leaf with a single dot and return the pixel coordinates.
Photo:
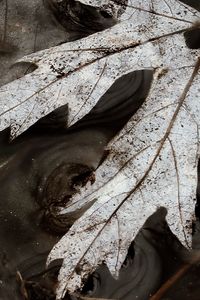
(94, 63)
(153, 161)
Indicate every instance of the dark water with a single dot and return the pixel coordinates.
(30, 179)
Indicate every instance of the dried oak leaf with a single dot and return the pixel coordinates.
(153, 160)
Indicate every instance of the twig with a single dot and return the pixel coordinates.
(174, 278)
(170, 282)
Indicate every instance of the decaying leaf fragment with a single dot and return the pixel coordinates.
(153, 161)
